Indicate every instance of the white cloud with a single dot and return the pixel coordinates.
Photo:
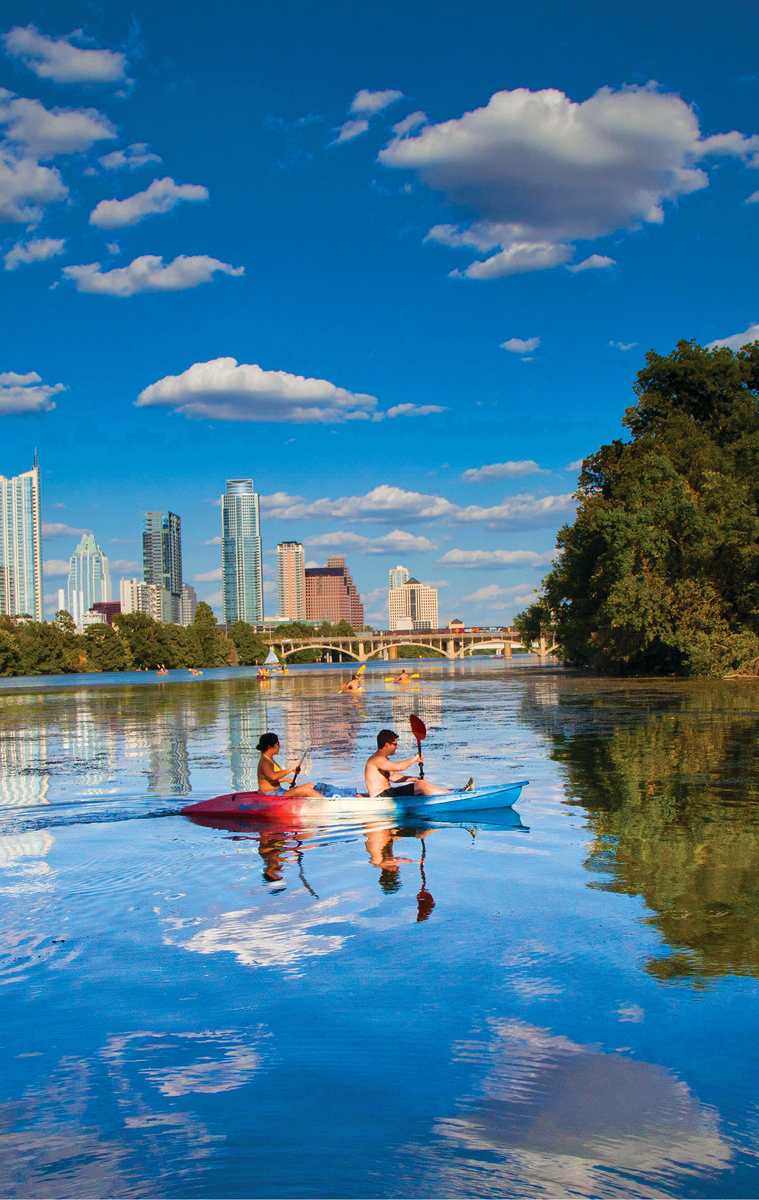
(596, 262)
(506, 470)
(55, 529)
(25, 188)
(160, 197)
(26, 393)
(386, 504)
(397, 541)
(752, 199)
(349, 131)
(55, 566)
(538, 171)
(493, 591)
(497, 558)
(209, 576)
(136, 155)
(368, 103)
(736, 340)
(59, 60)
(43, 133)
(413, 121)
(35, 250)
(574, 466)
(224, 390)
(312, 563)
(148, 274)
(623, 345)
(214, 541)
(520, 345)
(124, 564)
(216, 598)
(414, 410)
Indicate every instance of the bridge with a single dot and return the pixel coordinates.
(364, 646)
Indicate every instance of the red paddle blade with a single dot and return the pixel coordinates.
(418, 727)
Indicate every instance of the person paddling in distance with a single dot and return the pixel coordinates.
(403, 678)
(380, 773)
(271, 775)
(354, 685)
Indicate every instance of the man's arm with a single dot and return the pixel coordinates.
(385, 764)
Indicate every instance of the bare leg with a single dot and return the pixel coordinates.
(304, 791)
(423, 787)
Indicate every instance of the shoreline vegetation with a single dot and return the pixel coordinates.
(137, 641)
(659, 572)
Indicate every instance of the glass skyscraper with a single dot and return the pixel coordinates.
(21, 545)
(89, 578)
(242, 583)
(162, 556)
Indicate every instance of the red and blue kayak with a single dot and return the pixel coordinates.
(345, 803)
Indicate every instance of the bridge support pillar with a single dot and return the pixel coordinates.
(361, 652)
(392, 653)
(507, 649)
(450, 649)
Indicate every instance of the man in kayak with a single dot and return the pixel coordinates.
(380, 772)
(403, 678)
(353, 686)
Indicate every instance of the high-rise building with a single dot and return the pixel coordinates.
(241, 570)
(137, 596)
(398, 576)
(331, 594)
(189, 603)
(89, 579)
(414, 602)
(291, 577)
(21, 545)
(162, 557)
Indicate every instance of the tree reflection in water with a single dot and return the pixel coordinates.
(668, 776)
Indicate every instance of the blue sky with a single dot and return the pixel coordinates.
(397, 261)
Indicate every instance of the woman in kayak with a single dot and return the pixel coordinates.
(271, 776)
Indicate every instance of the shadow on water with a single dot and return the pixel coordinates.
(668, 776)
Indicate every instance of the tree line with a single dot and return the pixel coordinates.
(659, 572)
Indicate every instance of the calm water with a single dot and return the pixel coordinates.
(563, 1004)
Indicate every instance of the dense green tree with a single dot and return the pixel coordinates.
(214, 648)
(250, 646)
(148, 642)
(10, 655)
(106, 649)
(42, 649)
(534, 623)
(660, 570)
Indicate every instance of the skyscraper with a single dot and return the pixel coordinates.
(413, 602)
(89, 579)
(291, 576)
(331, 594)
(21, 545)
(398, 576)
(241, 573)
(189, 603)
(162, 556)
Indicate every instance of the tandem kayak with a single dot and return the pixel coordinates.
(344, 802)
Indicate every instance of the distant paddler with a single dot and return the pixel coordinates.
(355, 683)
(271, 776)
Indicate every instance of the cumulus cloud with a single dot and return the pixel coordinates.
(535, 171)
(393, 504)
(497, 558)
(414, 410)
(148, 274)
(35, 250)
(519, 593)
(42, 133)
(413, 121)
(223, 390)
(214, 541)
(736, 340)
(596, 262)
(160, 197)
(26, 188)
(56, 529)
(505, 470)
(368, 103)
(55, 566)
(124, 564)
(349, 131)
(574, 466)
(26, 393)
(521, 345)
(399, 540)
(623, 345)
(209, 576)
(136, 155)
(59, 60)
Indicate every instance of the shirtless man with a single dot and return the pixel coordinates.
(353, 686)
(403, 678)
(380, 772)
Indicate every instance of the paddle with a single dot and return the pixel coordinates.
(297, 769)
(419, 730)
(394, 678)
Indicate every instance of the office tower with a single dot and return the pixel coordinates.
(291, 577)
(398, 576)
(241, 573)
(89, 579)
(331, 594)
(413, 602)
(162, 557)
(137, 596)
(21, 545)
(189, 603)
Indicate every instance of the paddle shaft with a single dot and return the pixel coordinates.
(297, 769)
(419, 730)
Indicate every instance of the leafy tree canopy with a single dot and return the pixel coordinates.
(660, 569)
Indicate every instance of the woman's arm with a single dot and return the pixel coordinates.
(271, 771)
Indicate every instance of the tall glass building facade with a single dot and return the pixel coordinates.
(21, 545)
(241, 570)
(89, 578)
(162, 556)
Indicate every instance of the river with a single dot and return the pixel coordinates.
(560, 1001)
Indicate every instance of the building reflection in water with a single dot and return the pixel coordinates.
(24, 777)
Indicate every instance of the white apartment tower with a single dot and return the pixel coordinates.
(291, 577)
(89, 579)
(413, 605)
(398, 576)
(21, 545)
(241, 569)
